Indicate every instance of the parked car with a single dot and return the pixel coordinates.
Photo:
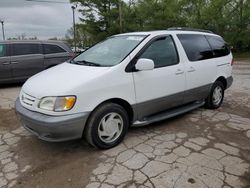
(21, 59)
(78, 50)
(130, 79)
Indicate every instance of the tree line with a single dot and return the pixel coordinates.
(103, 18)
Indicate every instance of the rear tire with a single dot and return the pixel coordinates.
(107, 126)
(216, 96)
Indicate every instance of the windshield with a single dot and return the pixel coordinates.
(109, 52)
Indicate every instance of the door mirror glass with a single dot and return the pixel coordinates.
(144, 64)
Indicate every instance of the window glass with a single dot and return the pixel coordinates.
(111, 51)
(25, 49)
(162, 52)
(2, 50)
(51, 49)
(218, 45)
(196, 46)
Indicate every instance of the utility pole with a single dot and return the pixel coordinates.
(2, 22)
(61, 2)
(120, 15)
(74, 25)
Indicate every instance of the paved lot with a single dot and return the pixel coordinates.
(203, 148)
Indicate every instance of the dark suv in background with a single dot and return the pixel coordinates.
(21, 59)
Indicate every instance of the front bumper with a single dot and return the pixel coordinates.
(52, 128)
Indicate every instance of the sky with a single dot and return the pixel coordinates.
(40, 19)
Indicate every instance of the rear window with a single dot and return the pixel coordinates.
(196, 46)
(51, 49)
(25, 49)
(218, 45)
(3, 50)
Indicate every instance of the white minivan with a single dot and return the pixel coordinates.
(130, 79)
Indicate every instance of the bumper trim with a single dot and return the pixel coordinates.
(52, 128)
(229, 81)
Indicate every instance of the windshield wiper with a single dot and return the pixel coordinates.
(83, 62)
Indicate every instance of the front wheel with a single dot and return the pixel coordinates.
(107, 126)
(216, 96)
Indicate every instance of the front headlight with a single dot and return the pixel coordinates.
(57, 104)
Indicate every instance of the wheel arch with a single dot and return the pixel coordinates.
(223, 80)
(125, 104)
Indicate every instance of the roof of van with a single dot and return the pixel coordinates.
(34, 41)
(162, 32)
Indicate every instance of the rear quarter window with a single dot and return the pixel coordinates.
(219, 47)
(3, 50)
(196, 46)
(52, 48)
(68, 47)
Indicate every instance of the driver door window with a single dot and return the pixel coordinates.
(162, 51)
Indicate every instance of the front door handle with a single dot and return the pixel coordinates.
(6, 63)
(179, 71)
(14, 62)
(191, 69)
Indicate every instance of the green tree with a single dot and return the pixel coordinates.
(102, 18)
(83, 38)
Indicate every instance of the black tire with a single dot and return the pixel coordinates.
(92, 127)
(210, 102)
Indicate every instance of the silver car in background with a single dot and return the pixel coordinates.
(19, 60)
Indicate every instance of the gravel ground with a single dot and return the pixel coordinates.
(203, 148)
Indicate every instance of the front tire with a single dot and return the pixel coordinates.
(107, 126)
(216, 96)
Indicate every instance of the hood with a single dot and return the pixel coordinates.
(61, 79)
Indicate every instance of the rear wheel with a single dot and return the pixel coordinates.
(107, 126)
(216, 96)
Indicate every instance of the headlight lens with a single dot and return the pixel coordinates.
(57, 104)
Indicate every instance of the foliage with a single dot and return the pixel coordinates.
(241, 55)
(102, 18)
(22, 37)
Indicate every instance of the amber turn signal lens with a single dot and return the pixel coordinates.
(69, 102)
(64, 103)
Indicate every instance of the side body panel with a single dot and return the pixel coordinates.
(200, 75)
(159, 89)
(24, 66)
(5, 66)
(115, 83)
(53, 59)
(224, 67)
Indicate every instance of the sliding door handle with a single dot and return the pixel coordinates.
(179, 71)
(14, 62)
(6, 63)
(191, 69)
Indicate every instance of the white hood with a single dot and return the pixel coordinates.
(61, 80)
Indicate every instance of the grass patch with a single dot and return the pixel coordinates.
(243, 55)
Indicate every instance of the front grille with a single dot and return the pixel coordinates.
(27, 99)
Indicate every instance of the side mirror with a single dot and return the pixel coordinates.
(144, 64)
